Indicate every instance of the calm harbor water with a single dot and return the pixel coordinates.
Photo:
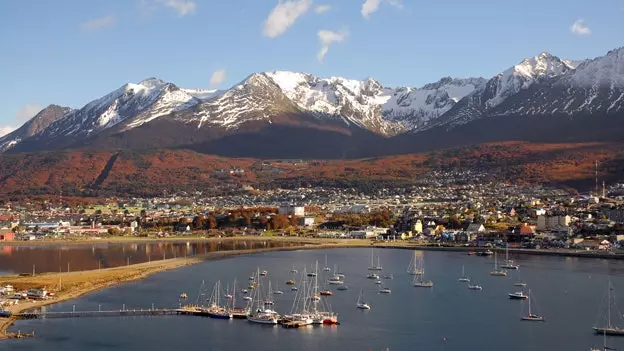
(55, 258)
(568, 293)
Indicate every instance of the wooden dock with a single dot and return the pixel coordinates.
(109, 313)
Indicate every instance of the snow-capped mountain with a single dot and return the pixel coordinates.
(35, 125)
(369, 105)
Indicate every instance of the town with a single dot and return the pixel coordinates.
(467, 210)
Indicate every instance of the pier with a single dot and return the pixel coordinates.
(189, 311)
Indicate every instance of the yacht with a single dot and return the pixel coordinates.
(343, 287)
(374, 267)
(361, 304)
(463, 277)
(532, 317)
(509, 264)
(475, 287)
(372, 276)
(385, 291)
(613, 316)
(519, 295)
(497, 271)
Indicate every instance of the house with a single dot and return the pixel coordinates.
(545, 222)
(475, 228)
(418, 227)
(307, 221)
(6, 235)
(291, 210)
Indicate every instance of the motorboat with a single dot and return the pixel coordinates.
(519, 295)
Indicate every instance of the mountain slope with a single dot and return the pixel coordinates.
(35, 125)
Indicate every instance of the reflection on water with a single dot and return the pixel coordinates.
(23, 259)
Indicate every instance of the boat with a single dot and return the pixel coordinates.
(415, 265)
(388, 276)
(518, 295)
(385, 291)
(487, 252)
(361, 304)
(290, 282)
(264, 273)
(335, 281)
(278, 292)
(343, 287)
(293, 270)
(251, 278)
(326, 293)
(374, 267)
(509, 264)
(520, 283)
(268, 300)
(497, 272)
(244, 291)
(294, 288)
(372, 276)
(532, 317)
(5, 313)
(377, 281)
(604, 344)
(326, 268)
(419, 279)
(312, 274)
(475, 287)
(183, 296)
(610, 327)
(262, 314)
(248, 298)
(463, 277)
(215, 310)
(237, 311)
(472, 253)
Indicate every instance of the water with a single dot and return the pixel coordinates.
(55, 258)
(567, 291)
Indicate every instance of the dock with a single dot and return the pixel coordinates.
(109, 313)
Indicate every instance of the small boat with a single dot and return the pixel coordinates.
(294, 288)
(385, 291)
(388, 276)
(343, 287)
(522, 284)
(326, 268)
(247, 298)
(519, 295)
(335, 281)
(311, 274)
(610, 328)
(252, 278)
(293, 270)
(509, 264)
(487, 252)
(419, 279)
(604, 344)
(463, 277)
(5, 313)
(268, 302)
(228, 296)
(472, 253)
(374, 267)
(372, 276)
(251, 287)
(326, 293)
(377, 281)
(497, 272)
(263, 317)
(264, 273)
(278, 292)
(361, 304)
(183, 296)
(532, 317)
(315, 298)
(290, 282)
(244, 291)
(475, 287)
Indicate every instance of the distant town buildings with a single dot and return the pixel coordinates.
(291, 210)
(555, 223)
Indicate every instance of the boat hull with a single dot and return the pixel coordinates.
(518, 297)
(609, 331)
(532, 319)
(219, 315)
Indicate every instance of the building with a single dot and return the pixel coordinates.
(475, 228)
(418, 227)
(292, 210)
(6, 235)
(552, 223)
(306, 221)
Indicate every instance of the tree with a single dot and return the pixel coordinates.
(199, 222)
(212, 222)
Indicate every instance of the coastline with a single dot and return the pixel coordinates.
(84, 282)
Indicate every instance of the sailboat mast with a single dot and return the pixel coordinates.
(529, 302)
(609, 306)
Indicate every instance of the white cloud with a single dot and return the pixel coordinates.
(182, 7)
(284, 15)
(580, 28)
(27, 112)
(217, 77)
(322, 9)
(4, 130)
(371, 6)
(327, 38)
(97, 23)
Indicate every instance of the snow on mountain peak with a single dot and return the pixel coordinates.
(604, 71)
(152, 83)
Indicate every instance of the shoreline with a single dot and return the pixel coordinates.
(95, 280)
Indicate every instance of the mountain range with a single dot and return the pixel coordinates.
(287, 114)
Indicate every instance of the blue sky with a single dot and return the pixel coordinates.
(69, 52)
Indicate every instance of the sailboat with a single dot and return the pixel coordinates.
(414, 267)
(261, 314)
(326, 268)
(463, 277)
(532, 317)
(497, 271)
(509, 264)
(361, 304)
(419, 279)
(299, 311)
(475, 286)
(604, 344)
(236, 311)
(374, 267)
(610, 328)
(321, 314)
(215, 310)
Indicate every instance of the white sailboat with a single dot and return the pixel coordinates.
(532, 317)
(419, 279)
(374, 267)
(475, 286)
(509, 264)
(415, 264)
(463, 277)
(609, 327)
(361, 304)
(326, 268)
(604, 344)
(261, 314)
(497, 272)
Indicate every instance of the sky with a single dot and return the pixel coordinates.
(69, 52)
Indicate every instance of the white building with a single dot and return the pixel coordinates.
(307, 221)
(291, 210)
(552, 222)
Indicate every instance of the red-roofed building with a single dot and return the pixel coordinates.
(6, 235)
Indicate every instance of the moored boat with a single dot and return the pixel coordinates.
(497, 272)
(475, 287)
(611, 326)
(518, 295)
(361, 304)
(531, 317)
